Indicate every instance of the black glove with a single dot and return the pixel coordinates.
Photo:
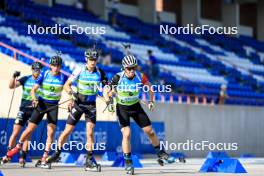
(16, 74)
(111, 101)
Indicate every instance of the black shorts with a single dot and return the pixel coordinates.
(23, 115)
(135, 111)
(77, 111)
(38, 114)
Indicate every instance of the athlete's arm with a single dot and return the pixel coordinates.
(110, 90)
(34, 91)
(104, 78)
(14, 83)
(36, 86)
(71, 79)
(67, 87)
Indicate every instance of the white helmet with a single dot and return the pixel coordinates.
(129, 61)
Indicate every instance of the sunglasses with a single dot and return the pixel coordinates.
(92, 59)
(131, 68)
(36, 70)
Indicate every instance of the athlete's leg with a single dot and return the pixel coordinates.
(124, 122)
(72, 120)
(90, 118)
(90, 135)
(151, 135)
(126, 133)
(65, 134)
(141, 118)
(31, 127)
(50, 135)
(12, 141)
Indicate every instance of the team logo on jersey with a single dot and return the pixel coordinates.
(52, 88)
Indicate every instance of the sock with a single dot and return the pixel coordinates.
(157, 148)
(58, 150)
(89, 154)
(127, 156)
(45, 154)
(19, 144)
(23, 154)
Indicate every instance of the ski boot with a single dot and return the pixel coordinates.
(92, 165)
(22, 158)
(38, 163)
(54, 158)
(4, 160)
(164, 157)
(129, 168)
(22, 162)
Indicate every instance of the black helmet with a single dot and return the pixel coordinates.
(56, 60)
(36, 66)
(91, 54)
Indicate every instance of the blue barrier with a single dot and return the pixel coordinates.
(67, 157)
(221, 162)
(120, 162)
(81, 160)
(107, 137)
(1, 173)
(109, 156)
(223, 165)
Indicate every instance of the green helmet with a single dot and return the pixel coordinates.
(56, 60)
(91, 54)
(36, 66)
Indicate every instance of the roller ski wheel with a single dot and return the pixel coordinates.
(129, 168)
(91, 165)
(22, 162)
(4, 160)
(45, 165)
(130, 171)
(182, 160)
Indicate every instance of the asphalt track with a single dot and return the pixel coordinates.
(254, 166)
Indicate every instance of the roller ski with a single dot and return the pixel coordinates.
(92, 165)
(164, 157)
(129, 168)
(4, 160)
